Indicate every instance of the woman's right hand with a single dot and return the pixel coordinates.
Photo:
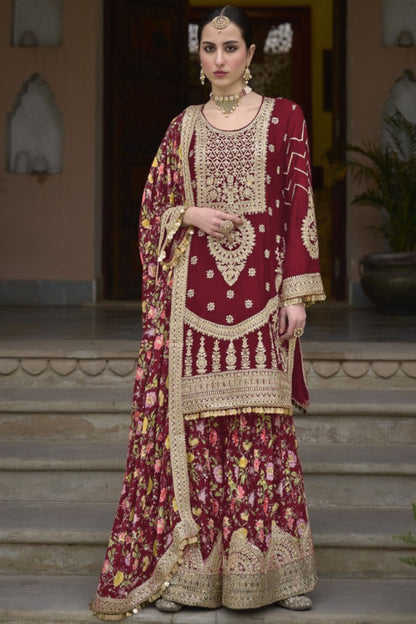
(209, 220)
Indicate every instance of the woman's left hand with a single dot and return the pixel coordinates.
(291, 317)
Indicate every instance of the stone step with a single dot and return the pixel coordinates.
(351, 365)
(90, 413)
(62, 413)
(71, 538)
(346, 475)
(65, 599)
(339, 416)
(356, 475)
(112, 362)
(68, 362)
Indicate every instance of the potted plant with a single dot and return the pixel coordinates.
(389, 172)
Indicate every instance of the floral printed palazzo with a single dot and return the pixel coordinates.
(212, 510)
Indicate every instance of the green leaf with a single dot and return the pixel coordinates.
(407, 538)
(388, 174)
(409, 560)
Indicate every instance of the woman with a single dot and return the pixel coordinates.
(212, 510)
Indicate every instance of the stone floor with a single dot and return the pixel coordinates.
(328, 322)
(336, 601)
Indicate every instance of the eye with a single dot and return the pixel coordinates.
(231, 48)
(208, 48)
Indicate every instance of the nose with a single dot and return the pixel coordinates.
(219, 57)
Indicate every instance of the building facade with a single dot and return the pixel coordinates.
(56, 175)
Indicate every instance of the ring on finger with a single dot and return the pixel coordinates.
(226, 227)
(298, 332)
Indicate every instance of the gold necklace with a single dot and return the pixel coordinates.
(228, 103)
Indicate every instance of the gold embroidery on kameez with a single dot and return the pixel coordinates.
(245, 354)
(260, 352)
(309, 229)
(188, 354)
(230, 171)
(223, 332)
(201, 358)
(231, 166)
(231, 253)
(216, 358)
(231, 358)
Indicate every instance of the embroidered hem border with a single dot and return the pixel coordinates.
(259, 411)
(230, 389)
(250, 578)
(244, 591)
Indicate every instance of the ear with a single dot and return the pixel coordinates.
(250, 52)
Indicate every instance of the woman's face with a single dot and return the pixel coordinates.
(224, 56)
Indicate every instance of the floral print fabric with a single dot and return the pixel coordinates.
(245, 478)
(245, 474)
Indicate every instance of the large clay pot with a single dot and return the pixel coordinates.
(389, 280)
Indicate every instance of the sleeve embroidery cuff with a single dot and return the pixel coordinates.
(302, 289)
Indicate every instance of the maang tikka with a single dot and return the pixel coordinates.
(221, 21)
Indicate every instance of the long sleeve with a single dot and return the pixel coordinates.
(302, 282)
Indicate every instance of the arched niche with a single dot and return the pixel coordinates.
(402, 98)
(35, 131)
(37, 23)
(398, 22)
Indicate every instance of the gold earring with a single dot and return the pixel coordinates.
(247, 75)
(202, 76)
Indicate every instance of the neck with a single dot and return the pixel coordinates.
(228, 103)
(236, 90)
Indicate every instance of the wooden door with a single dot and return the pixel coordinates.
(339, 134)
(145, 86)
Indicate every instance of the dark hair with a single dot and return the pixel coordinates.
(235, 15)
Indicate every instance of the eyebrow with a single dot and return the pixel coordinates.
(224, 43)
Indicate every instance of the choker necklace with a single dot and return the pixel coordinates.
(228, 103)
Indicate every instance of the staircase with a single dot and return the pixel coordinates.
(64, 415)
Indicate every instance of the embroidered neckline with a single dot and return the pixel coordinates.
(236, 130)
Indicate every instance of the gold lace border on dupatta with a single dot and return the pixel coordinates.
(151, 590)
(186, 531)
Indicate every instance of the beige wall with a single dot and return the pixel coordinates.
(371, 72)
(62, 213)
